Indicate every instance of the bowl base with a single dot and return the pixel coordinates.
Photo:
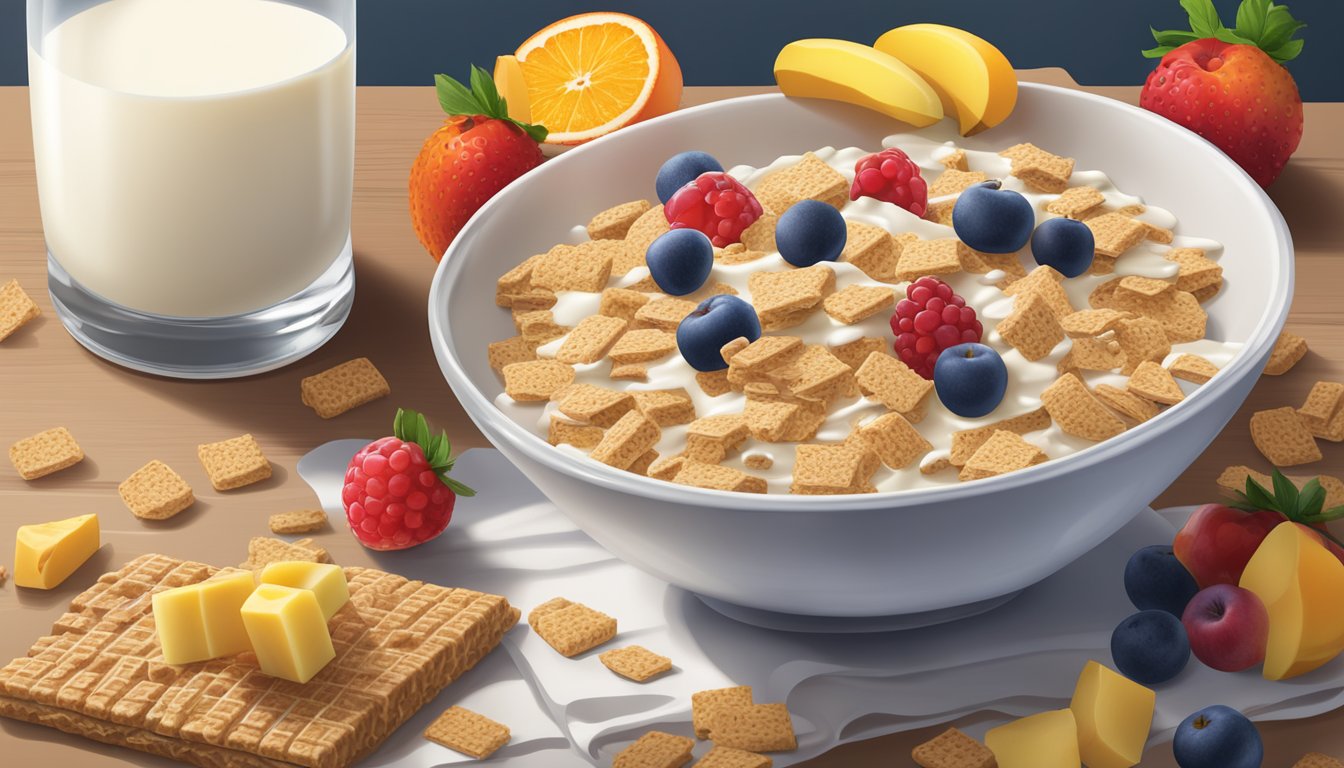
(846, 625)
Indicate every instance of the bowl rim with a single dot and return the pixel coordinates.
(496, 425)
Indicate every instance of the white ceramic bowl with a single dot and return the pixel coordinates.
(891, 554)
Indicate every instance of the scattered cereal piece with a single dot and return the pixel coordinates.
(953, 749)
(622, 303)
(857, 302)
(532, 299)
(591, 339)
(810, 179)
(953, 181)
(536, 380)
(1323, 411)
(646, 229)
(1078, 412)
(713, 383)
(234, 463)
(666, 407)
(779, 296)
(1158, 234)
(635, 662)
(1283, 438)
(718, 477)
(705, 703)
(514, 349)
(262, 551)
(935, 466)
(1233, 479)
(4, 574)
(155, 492)
(1193, 368)
(462, 730)
(642, 464)
(1153, 382)
(515, 282)
(760, 236)
(830, 469)
(1318, 760)
(582, 267)
(1141, 338)
(1044, 281)
(16, 308)
(1002, 453)
(753, 727)
(758, 461)
(348, 385)
(590, 404)
(1288, 349)
(815, 375)
(892, 382)
(1032, 328)
(615, 222)
(955, 159)
(1197, 271)
(894, 440)
(710, 439)
(967, 441)
(643, 345)
(1126, 402)
(734, 253)
(300, 521)
(727, 757)
(1076, 202)
(45, 453)
(761, 356)
(853, 353)
(940, 211)
(1115, 233)
(1039, 169)
(578, 435)
(665, 314)
(538, 326)
(571, 628)
(929, 257)
(655, 749)
(1094, 355)
(666, 468)
(781, 417)
(629, 372)
(1088, 323)
(627, 440)
(871, 249)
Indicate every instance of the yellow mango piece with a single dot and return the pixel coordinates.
(288, 632)
(1047, 740)
(324, 580)
(203, 621)
(972, 78)
(1301, 584)
(513, 88)
(1114, 715)
(45, 554)
(857, 74)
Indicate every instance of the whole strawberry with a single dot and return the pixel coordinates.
(397, 490)
(1230, 85)
(474, 154)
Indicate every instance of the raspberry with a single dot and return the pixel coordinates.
(928, 320)
(395, 497)
(892, 177)
(716, 204)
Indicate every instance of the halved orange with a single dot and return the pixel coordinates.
(590, 74)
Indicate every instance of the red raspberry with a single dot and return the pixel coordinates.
(394, 496)
(892, 177)
(716, 204)
(928, 320)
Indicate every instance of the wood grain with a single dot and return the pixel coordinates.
(123, 419)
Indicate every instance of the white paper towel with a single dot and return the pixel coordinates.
(1019, 659)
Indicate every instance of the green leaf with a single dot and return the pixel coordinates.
(1312, 498)
(1204, 19)
(1280, 27)
(483, 87)
(482, 98)
(537, 132)
(455, 98)
(1174, 37)
(458, 487)
(1333, 513)
(1158, 52)
(1286, 52)
(1252, 17)
(1228, 36)
(1257, 495)
(1285, 493)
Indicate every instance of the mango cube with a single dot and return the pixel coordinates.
(203, 621)
(1114, 715)
(45, 554)
(288, 632)
(324, 580)
(1047, 740)
(1300, 582)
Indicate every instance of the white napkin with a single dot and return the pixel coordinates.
(1019, 659)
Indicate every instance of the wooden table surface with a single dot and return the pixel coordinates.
(123, 419)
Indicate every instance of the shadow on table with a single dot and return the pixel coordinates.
(1306, 195)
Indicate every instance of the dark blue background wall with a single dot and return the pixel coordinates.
(734, 42)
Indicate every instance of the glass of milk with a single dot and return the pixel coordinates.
(195, 161)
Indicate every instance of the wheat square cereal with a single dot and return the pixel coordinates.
(615, 222)
(1153, 382)
(643, 345)
(1076, 202)
(46, 452)
(1207, 292)
(622, 303)
(516, 282)
(774, 294)
(1032, 328)
(895, 441)
(704, 703)
(1197, 271)
(155, 492)
(591, 339)
(727, 757)
(4, 575)
(1039, 169)
(816, 374)
(17, 308)
(514, 349)
(1192, 368)
(1282, 437)
(346, 386)
(1288, 349)
(1115, 233)
(753, 727)
(1002, 453)
(665, 314)
(1158, 234)
(629, 372)
(717, 477)
(234, 463)
(1093, 355)
(1078, 412)
(538, 326)
(765, 354)
(892, 382)
(1044, 282)
(710, 439)
(262, 551)
(810, 179)
(929, 257)
(759, 236)
(1088, 323)
(953, 181)
(854, 303)
(1318, 760)
(1126, 402)
(853, 353)
(733, 254)
(758, 461)
(955, 159)
(627, 440)
(536, 380)
(646, 229)
(655, 749)
(1322, 411)
(1101, 264)
(582, 267)
(666, 407)
(635, 662)
(823, 469)
(1233, 479)
(591, 404)
(472, 734)
(532, 298)
(583, 436)
(940, 211)
(967, 441)
(771, 420)
(727, 351)
(1141, 339)
(666, 467)
(298, 521)
(953, 749)
(569, 627)
(713, 383)
(871, 249)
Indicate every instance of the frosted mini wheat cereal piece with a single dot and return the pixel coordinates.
(1137, 408)
(1043, 281)
(967, 441)
(953, 181)
(344, 387)
(753, 727)
(155, 492)
(953, 749)
(705, 703)
(635, 662)
(45, 453)
(895, 441)
(17, 308)
(855, 303)
(1141, 339)
(299, 521)
(928, 257)
(1076, 203)
(1282, 437)
(655, 749)
(830, 469)
(717, 477)
(615, 222)
(871, 249)
(1002, 453)
(711, 438)
(810, 179)
(571, 628)
(462, 730)
(666, 407)
(1153, 382)
(591, 339)
(816, 375)
(781, 295)
(1078, 412)
(595, 405)
(536, 380)
(1039, 169)
(892, 382)
(1289, 348)
(1323, 411)
(633, 435)
(582, 267)
(1193, 368)
(1032, 328)
(1089, 323)
(1197, 271)
(643, 345)
(1115, 233)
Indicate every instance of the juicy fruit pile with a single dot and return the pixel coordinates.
(930, 319)
(716, 204)
(916, 73)
(892, 177)
(1230, 85)
(397, 490)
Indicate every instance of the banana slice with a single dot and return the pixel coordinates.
(973, 79)
(857, 74)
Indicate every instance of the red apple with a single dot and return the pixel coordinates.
(1217, 541)
(1228, 627)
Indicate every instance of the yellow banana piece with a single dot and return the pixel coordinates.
(973, 79)
(857, 74)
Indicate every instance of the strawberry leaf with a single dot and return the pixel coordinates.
(412, 427)
(1259, 497)
(1204, 19)
(455, 98)
(1261, 23)
(1285, 494)
(1286, 52)
(482, 98)
(1228, 36)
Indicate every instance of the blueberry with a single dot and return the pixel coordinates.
(809, 232)
(1156, 580)
(680, 260)
(970, 379)
(1065, 244)
(717, 321)
(991, 219)
(1150, 647)
(1217, 737)
(680, 170)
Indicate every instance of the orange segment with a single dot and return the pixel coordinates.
(590, 74)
